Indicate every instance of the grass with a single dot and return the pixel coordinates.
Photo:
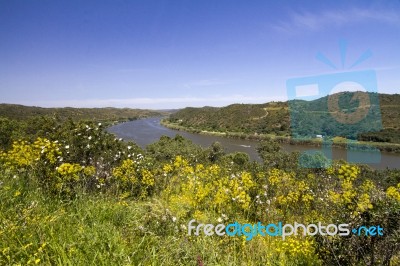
(36, 228)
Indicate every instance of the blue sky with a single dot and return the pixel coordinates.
(172, 54)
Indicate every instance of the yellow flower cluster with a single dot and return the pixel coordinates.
(207, 187)
(126, 173)
(355, 199)
(295, 247)
(132, 176)
(50, 149)
(20, 155)
(23, 154)
(89, 171)
(348, 172)
(394, 192)
(69, 172)
(147, 177)
(290, 191)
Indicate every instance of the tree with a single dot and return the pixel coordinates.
(7, 127)
(168, 148)
(216, 151)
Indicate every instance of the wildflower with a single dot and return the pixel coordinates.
(219, 220)
(129, 147)
(90, 137)
(174, 219)
(67, 146)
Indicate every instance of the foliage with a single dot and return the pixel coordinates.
(7, 128)
(134, 176)
(312, 118)
(74, 194)
(273, 157)
(168, 148)
(20, 112)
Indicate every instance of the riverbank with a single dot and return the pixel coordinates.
(316, 142)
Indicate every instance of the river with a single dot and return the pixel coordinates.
(149, 130)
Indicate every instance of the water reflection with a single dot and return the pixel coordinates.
(146, 131)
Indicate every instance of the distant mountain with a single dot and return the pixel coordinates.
(21, 112)
(307, 118)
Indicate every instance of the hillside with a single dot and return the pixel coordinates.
(311, 118)
(21, 112)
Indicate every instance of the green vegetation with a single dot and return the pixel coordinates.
(263, 121)
(20, 112)
(73, 194)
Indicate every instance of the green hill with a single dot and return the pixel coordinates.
(311, 116)
(21, 112)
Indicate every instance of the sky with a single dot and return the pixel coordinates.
(160, 54)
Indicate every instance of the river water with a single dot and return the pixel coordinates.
(149, 130)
